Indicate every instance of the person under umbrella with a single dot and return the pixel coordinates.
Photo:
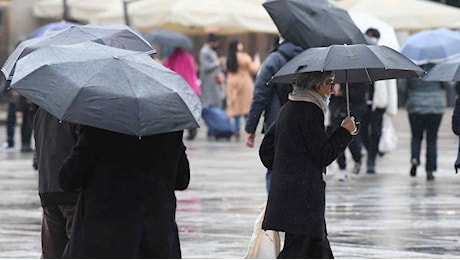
(425, 108)
(351, 63)
(182, 62)
(298, 157)
(129, 156)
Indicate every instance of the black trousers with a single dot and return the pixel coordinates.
(303, 247)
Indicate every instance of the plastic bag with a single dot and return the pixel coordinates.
(263, 244)
(388, 139)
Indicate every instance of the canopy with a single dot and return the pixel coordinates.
(411, 15)
(186, 16)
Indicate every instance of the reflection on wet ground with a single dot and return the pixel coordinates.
(386, 215)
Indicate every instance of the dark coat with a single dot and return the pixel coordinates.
(297, 149)
(127, 204)
(265, 100)
(456, 113)
(54, 141)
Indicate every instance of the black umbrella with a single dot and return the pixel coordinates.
(351, 63)
(170, 38)
(114, 89)
(313, 23)
(448, 70)
(116, 35)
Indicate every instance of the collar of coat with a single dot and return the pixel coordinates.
(308, 95)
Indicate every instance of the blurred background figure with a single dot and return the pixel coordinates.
(241, 69)
(456, 123)
(425, 108)
(382, 99)
(182, 62)
(211, 73)
(267, 101)
(12, 98)
(338, 111)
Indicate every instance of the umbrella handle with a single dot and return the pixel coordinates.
(348, 99)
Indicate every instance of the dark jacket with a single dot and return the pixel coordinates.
(265, 99)
(456, 113)
(297, 149)
(127, 204)
(54, 141)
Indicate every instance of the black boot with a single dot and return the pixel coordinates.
(413, 169)
(429, 176)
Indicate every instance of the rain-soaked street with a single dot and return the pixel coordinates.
(386, 215)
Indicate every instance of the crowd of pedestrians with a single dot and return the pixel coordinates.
(84, 164)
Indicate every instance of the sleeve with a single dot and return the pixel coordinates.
(208, 61)
(322, 148)
(267, 148)
(183, 171)
(262, 95)
(78, 164)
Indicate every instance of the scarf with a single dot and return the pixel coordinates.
(308, 95)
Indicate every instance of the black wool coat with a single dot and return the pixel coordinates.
(127, 203)
(296, 149)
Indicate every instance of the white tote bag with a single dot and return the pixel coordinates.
(263, 244)
(388, 139)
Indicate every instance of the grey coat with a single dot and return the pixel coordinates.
(54, 141)
(211, 90)
(424, 97)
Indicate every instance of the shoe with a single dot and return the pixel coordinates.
(356, 168)
(370, 168)
(413, 170)
(26, 149)
(429, 176)
(343, 175)
(6, 148)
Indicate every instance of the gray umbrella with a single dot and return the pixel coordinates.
(171, 38)
(351, 63)
(313, 23)
(115, 35)
(448, 70)
(109, 88)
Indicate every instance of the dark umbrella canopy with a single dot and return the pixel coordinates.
(351, 63)
(313, 23)
(169, 38)
(109, 88)
(116, 35)
(448, 70)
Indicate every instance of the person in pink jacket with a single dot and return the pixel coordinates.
(182, 62)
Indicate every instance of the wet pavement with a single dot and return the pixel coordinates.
(386, 215)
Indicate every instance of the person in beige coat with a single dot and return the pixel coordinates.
(240, 84)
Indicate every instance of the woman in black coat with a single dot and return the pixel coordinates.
(127, 203)
(297, 150)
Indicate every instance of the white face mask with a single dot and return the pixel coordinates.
(374, 40)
